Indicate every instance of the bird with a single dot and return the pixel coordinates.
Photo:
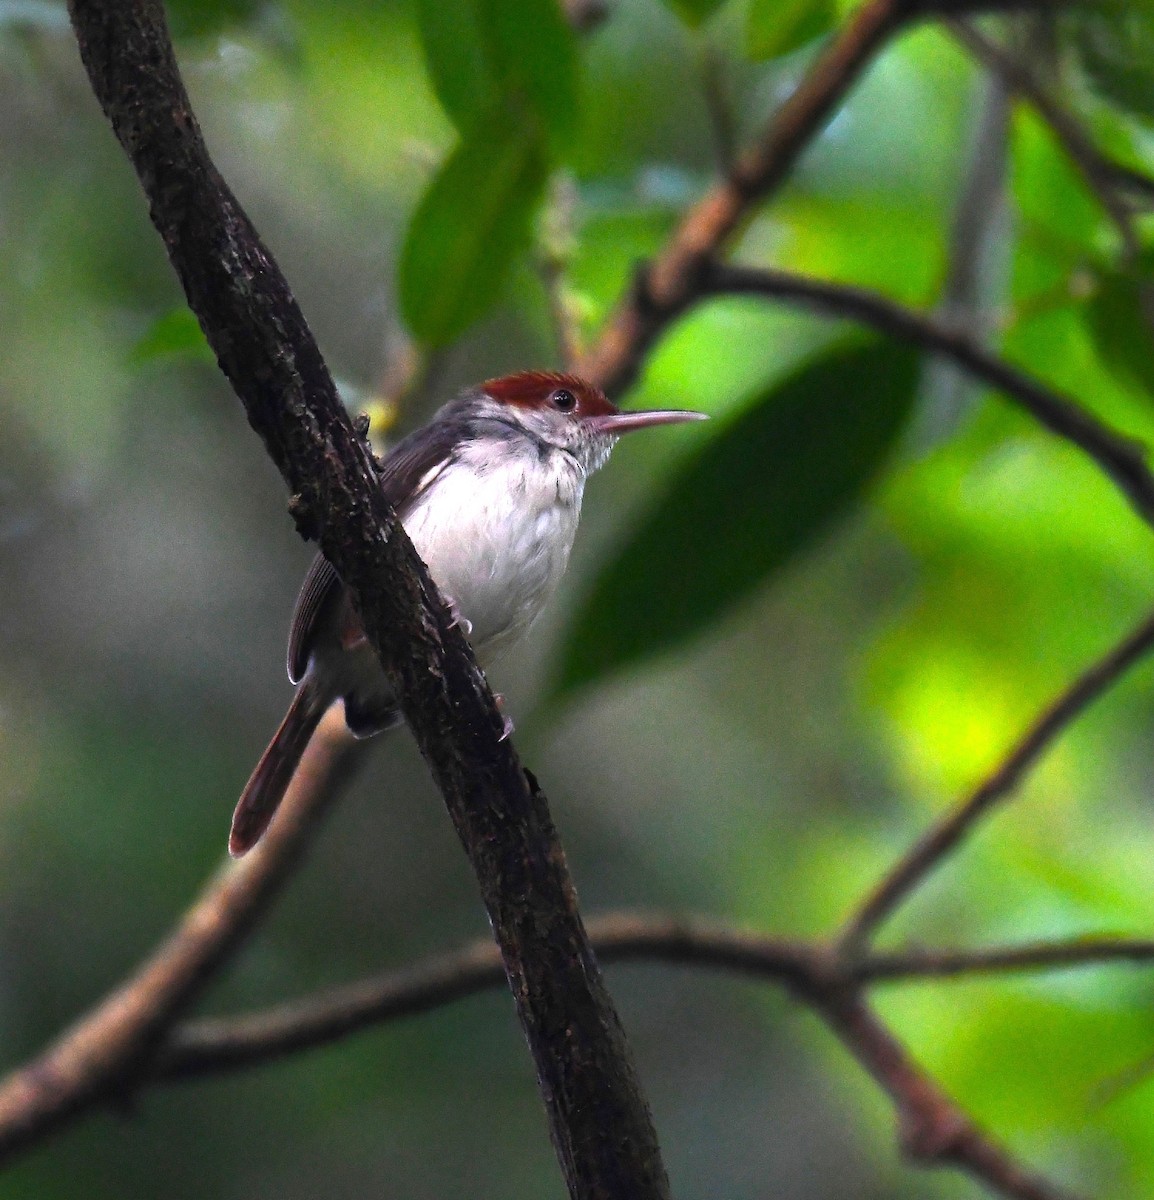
(489, 491)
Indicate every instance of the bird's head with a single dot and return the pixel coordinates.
(568, 413)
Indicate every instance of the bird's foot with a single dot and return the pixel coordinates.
(457, 618)
(507, 725)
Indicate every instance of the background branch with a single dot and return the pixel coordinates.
(104, 1055)
(1122, 459)
(974, 276)
(942, 839)
(670, 282)
(1100, 174)
(211, 1045)
(932, 1129)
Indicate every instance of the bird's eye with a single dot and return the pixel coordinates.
(563, 399)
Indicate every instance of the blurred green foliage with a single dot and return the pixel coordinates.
(800, 629)
(796, 457)
(505, 72)
(474, 218)
(1113, 40)
(777, 27)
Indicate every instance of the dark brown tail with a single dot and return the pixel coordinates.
(267, 784)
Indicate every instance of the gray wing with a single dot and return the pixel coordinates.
(320, 590)
(407, 472)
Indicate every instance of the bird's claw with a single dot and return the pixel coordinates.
(458, 618)
(507, 725)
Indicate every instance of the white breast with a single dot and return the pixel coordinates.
(495, 531)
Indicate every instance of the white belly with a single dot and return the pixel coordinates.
(496, 539)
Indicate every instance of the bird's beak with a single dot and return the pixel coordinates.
(623, 422)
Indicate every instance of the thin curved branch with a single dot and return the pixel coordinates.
(943, 838)
(906, 966)
(966, 299)
(932, 1129)
(212, 1045)
(223, 1044)
(1099, 172)
(108, 1051)
(1121, 458)
(600, 1124)
(671, 281)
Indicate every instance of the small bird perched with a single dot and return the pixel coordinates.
(490, 493)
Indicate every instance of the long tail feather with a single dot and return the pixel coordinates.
(269, 781)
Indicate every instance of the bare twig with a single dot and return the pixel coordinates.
(687, 269)
(977, 250)
(1121, 191)
(222, 1044)
(1101, 175)
(600, 1123)
(1060, 955)
(932, 1129)
(1121, 458)
(212, 1045)
(555, 254)
(718, 104)
(978, 215)
(108, 1051)
(943, 838)
(670, 282)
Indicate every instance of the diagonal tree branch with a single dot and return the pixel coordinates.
(671, 281)
(1122, 459)
(106, 1053)
(1102, 176)
(975, 258)
(932, 1129)
(600, 1124)
(943, 838)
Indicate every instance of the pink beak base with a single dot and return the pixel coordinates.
(623, 422)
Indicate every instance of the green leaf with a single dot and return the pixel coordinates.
(536, 53)
(777, 27)
(1120, 317)
(471, 222)
(176, 334)
(484, 54)
(457, 52)
(693, 12)
(764, 488)
(612, 243)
